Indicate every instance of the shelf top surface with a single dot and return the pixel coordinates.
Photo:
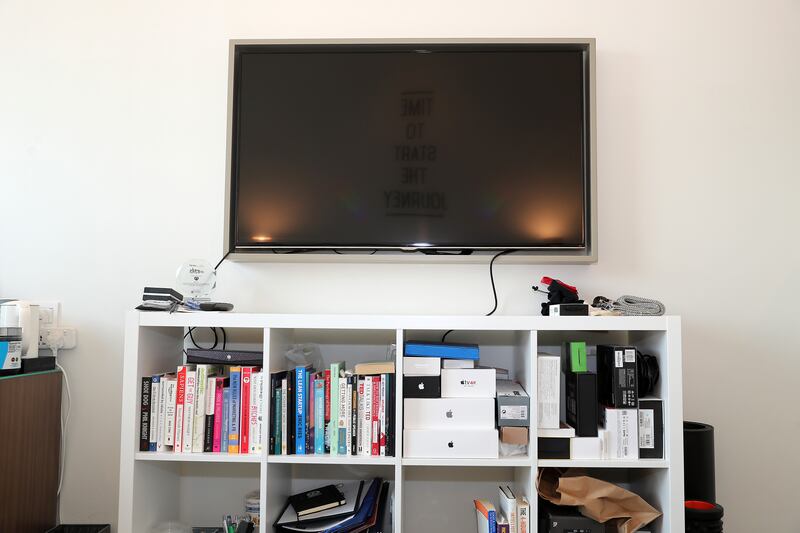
(407, 322)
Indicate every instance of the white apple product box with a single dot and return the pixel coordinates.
(422, 366)
(468, 383)
(622, 433)
(442, 413)
(458, 363)
(459, 443)
(548, 391)
(586, 448)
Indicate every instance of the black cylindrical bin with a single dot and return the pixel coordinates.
(698, 462)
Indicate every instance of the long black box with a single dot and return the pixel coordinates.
(651, 428)
(563, 519)
(422, 387)
(616, 374)
(553, 447)
(582, 405)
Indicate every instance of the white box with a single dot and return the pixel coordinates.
(422, 366)
(622, 433)
(458, 363)
(548, 392)
(457, 443)
(468, 383)
(586, 448)
(445, 413)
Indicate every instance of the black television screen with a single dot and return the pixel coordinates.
(451, 146)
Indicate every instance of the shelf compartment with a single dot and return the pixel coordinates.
(500, 462)
(441, 499)
(198, 457)
(331, 460)
(602, 463)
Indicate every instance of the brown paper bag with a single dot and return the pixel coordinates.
(599, 500)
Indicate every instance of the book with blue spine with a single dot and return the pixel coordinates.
(333, 425)
(442, 350)
(235, 409)
(486, 515)
(301, 379)
(319, 416)
(226, 419)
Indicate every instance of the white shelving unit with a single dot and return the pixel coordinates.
(429, 494)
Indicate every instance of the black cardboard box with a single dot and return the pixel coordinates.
(651, 428)
(422, 387)
(564, 519)
(616, 376)
(582, 405)
(553, 447)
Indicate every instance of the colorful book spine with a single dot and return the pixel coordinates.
(200, 406)
(284, 420)
(334, 421)
(327, 410)
(211, 402)
(162, 414)
(256, 398)
(376, 406)
(169, 411)
(360, 414)
(155, 389)
(188, 411)
(353, 386)
(144, 415)
(523, 515)
(382, 418)
(226, 420)
(180, 405)
(277, 417)
(244, 415)
(235, 409)
(366, 429)
(300, 410)
(341, 426)
(311, 435)
(319, 401)
(291, 418)
(219, 391)
(346, 415)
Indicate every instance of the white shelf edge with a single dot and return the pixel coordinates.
(391, 322)
(500, 462)
(602, 463)
(198, 457)
(331, 460)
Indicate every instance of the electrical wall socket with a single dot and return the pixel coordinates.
(49, 317)
(68, 335)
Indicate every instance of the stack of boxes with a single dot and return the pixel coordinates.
(448, 404)
(607, 397)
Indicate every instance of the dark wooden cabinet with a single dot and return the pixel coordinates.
(30, 441)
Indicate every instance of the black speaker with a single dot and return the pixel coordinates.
(698, 462)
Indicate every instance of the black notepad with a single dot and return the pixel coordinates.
(316, 500)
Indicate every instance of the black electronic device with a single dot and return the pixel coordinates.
(200, 356)
(617, 376)
(565, 519)
(411, 146)
(581, 402)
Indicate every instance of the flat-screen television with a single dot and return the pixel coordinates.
(411, 146)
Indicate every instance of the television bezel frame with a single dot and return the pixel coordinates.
(528, 254)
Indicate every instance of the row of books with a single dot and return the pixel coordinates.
(203, 408)
(513, 515)
(333, 410)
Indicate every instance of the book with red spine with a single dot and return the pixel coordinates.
(327, 377)
(180, 399)
(216, 445)
(376, 405)
(244, 433)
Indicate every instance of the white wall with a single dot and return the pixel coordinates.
(112, 147)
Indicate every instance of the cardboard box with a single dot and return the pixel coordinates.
(582, 405)
(458, 363)
(573, 356)
(617, 378)
(622, 426)
(553, 448)
(460, 443)
(422, 366)
(444, 413)
(468, 383)
(422, 387)
(514, 435)
(513, 404)
(565, 519)
(651, 428)
(586, 448)
(548, 391)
